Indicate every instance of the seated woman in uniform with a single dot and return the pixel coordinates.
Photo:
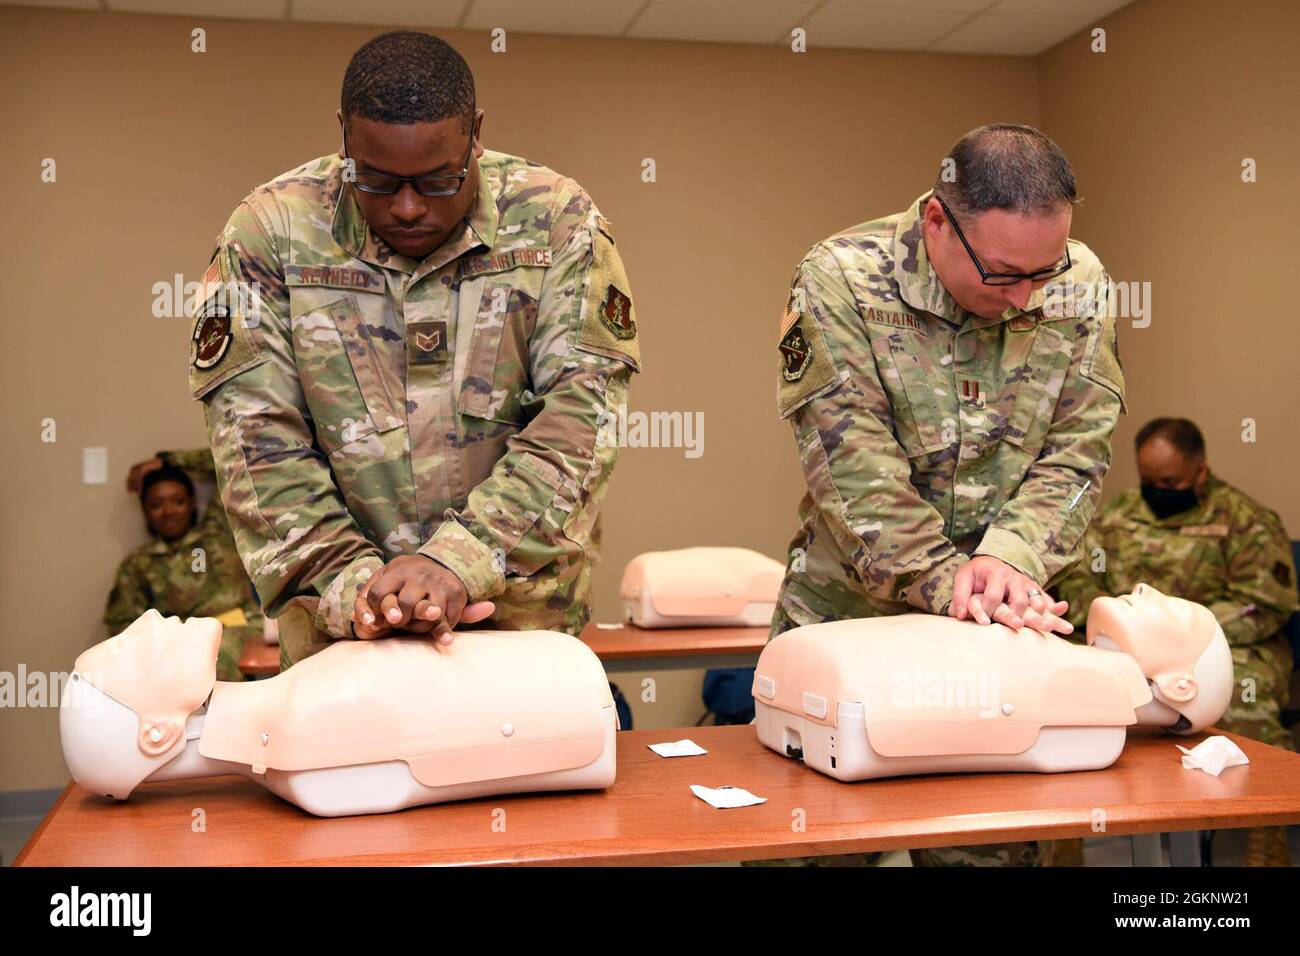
(189, 567)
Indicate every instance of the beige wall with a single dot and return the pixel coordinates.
(759, 152)
(1156, 129)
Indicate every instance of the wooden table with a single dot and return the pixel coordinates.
(259, 659)
(622, 649)
(650, 816)
(626, 648)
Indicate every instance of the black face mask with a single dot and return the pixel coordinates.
(1168, 501)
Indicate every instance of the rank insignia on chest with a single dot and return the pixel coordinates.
(796, 352)
(616, 313)
(211, 339)
(427, 342)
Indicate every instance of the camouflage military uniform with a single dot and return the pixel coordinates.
(368, 405)
(1229, 553)
(167, 575)
(928, 434)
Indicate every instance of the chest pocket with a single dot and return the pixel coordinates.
(924, 421)
(501, 315)
(338, 361)
(1033, 387)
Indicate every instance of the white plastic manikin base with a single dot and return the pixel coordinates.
(844, 752)
(921, 694)
(701, 587)
(361, 727)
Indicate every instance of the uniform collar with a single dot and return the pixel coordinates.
(354, 236)
(161, 546)
(920, 288)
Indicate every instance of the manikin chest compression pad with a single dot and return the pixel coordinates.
(707, 582)
(933, 686)
(492, 705)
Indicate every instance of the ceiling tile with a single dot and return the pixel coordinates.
(1087, 9)
(945, 6)
(405, 13)
(232, 9)
(1014, 34)
(606, 18)
(851, 23)
(47, 4)
(734, 21)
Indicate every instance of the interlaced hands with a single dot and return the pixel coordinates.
(413, 594)
(988, 590)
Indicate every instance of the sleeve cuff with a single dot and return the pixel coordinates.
(468, 558)
(1011, 549)
(334, 612)
(932, 591)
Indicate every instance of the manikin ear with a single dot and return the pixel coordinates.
(158, 736)
(1179, 687)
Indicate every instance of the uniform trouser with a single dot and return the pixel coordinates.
(1262, 683)
(1025, 853)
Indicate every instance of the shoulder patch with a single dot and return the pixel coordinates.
(796, 353)
(224, 340)
(607, 322)
(807, 369)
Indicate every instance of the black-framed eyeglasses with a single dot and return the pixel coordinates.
(1005, 278)
(382, 184)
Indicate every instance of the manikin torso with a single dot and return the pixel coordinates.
(924, 694)
(362, 727)
(375, 726)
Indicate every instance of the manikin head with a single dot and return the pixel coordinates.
(1008, 192)
(123, 712)
(1179, 646)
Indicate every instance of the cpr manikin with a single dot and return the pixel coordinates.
(919, 693)
(361, 727)
(701, 587)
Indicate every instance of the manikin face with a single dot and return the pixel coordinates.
(1179, 646)
(1004, 242)
(1125, 619)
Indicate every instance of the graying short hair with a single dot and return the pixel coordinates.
(1005, 166)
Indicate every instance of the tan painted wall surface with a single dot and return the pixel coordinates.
(759, 154)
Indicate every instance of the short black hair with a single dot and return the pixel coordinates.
(165, 473)
(1179, 432)
(1006, 166)
(406, 77)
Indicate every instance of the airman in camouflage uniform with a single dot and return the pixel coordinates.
(368, 405)
(929, 434)
(1229, 553)
(196, 575)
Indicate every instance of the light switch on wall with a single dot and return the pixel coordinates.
(94, 466)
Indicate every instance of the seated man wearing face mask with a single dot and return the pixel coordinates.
(1188, 533)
